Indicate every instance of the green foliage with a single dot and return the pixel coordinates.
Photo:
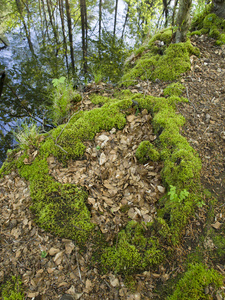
(62, 99)
(44, 254)
(12, 289)
(177, 198)
(107, 58)
(146, 151)
(27, 135)
(174, 89)
(134, 252)
(195, 280)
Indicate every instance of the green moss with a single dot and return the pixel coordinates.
(98, 99)
(12, 289)
(134, 251)
(214, 32)
(209, 23)
(146, 151)
(174, 89)
(165, 66)
(195, 280)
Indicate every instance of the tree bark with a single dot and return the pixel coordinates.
(70, 35)
(2, 79)
(100, 28)
(116, 8)
(61, 11)
(19, 7)
(83, 13)
(219, 8)
(183, 20)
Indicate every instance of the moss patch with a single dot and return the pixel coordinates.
(135, 251)
(12, 289)
(146, 151)
(163, 62)
(209, 23)
(195, 280)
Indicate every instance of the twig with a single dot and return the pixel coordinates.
(78, 267)
(190, 101)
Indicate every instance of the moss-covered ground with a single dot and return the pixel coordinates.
(208, 23)
(61, 208)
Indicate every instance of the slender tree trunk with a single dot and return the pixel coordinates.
(52, 22)
(165, 10)
(115, 18)
(61, 11)
(125, 22)
(45, 18)
(83, 13)
(27, 32)
(100, 28)
(183, 20)
(70, 35)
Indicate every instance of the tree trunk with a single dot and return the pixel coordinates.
(183, 20)
(219, 8)
(61, 11)
(20, 10)
(70, 34)
(83, 13)
(114, 30)
(125, 22)
(2, 82)
(99, 28)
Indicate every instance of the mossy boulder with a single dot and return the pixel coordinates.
(146, 151)
(194, 282)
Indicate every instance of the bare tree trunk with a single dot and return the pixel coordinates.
(116, 8)
(61, 11)
(70, 34)
(27, 32)
(183, 20)
(174, 12)
(125, 22)
(45, 17)
(51, 18)
(99, 28)
(83, 13)
(2, 82)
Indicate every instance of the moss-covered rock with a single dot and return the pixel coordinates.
(146, 151)
(194, 282)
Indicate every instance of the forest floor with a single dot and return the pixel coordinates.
(50, 266)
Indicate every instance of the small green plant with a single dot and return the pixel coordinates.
(62, 98)
(12, 290)
(175, 197)
(98, 148)
(26, 135)
(56, 82)
(43, 254)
